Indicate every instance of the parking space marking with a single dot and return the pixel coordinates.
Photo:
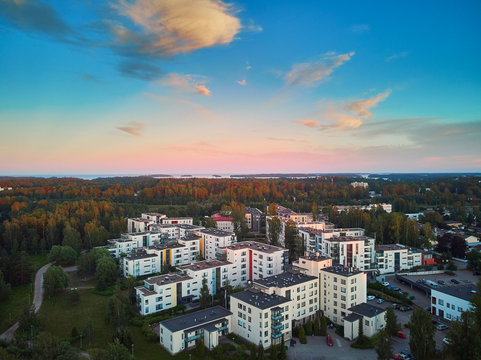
(338, 342)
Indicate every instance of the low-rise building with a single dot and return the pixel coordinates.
(135, 225)
(140, 264)
(255, 219)
(449, 302)
(392, 258)
(178, 221)
(180, 333)
(372, 318)
(302, 289)
(261, 318)
(225, 223)
(341, 289)
(213, 239)
(252, 260)
(156, 217)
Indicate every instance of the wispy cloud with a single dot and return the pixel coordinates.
(91, 78)
(186, 83)
(132, 128)
(139, 70)
(310, 74)
(284, 139)
(361, 107)
(360, 28)
(248, 66)
(397, 56)
(253, 27)
(36, 16)
(308, 123)
(182, 26)
(242, 82)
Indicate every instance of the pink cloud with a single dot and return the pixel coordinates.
(202, 90)
(243, 82)
(186, 83)
(308, 123)
(132, 128)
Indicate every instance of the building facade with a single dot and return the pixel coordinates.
(449, 302)
(213, 239)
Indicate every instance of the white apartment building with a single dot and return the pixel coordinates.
(173, 232)
(372, 318)
(162, 292)
(341, 289)
(128, 243)
(252, 260)
(135, 225)
(156, 217)
(302, 289)
(364, 185)
(449, 302)
(178, 221)
(180, 333)
(261, 318)
(386, 207)
(225, 223)
(140, 264)
(350, 251)
(213, 239)
(311, 264)
(214, 271)
(173, 254)
(314, 236)
(394, 257)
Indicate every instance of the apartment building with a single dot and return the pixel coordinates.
(178, 221)
(135, 225)
(386, 207)
(128, 243)
(180, 333)
(174, 231)
(156, 217)
(261, 318)
(350, 251)
(162, 292)
(255, 219)
(341, 289)
(213, 239)
(371, 318)
(314, 236)
(302, 289)
(394, 257)
(449, 302)
(225, 223)
(140, 264)
(252, 260)
(174, 253)
(214, 271)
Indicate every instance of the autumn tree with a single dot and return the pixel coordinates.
(275, 228)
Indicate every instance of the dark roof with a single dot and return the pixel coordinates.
(204, 264)
(216, 232)
(195, 319)
(190, 237)
(367, 310)
(259, 299)
(464, 292)
(341, 270)
(314, 257)
(254, 245)
(285, 279)
(167, 279)
(352, 317)
(140, 256)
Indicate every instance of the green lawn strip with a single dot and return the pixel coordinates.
(76, 281)
(13, 307)
(37, 261)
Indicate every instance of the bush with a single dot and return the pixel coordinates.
(440, 267)
(295, 332)
(302, 335)
(451, 266)
(450, 273)
(340, 330)
(363, 342)
(149, 334)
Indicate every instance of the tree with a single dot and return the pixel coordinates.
(275, 228)
(392, 327)
(323, 326)
(72, 238)
(428, 236)
(62, 255)
(273, 352)
(302, 335)
(451, 266)
(28, 322)
(290, 239)
(49, 347)
(55, 279)
(464, 342)
(107, 272)
(118, 308)
(383, 346)
(114, 351)
(5, 289)
(260, 352)
(315, 211)
(308, 327)
(272, 209)
(421, 340)
(123, 334)
(204, 298)
(316, 327)
(474, 261)
(282, 351)
(210, 223)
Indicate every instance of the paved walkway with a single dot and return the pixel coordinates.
(37, 301)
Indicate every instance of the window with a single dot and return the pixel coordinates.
(366, 322)
(441, 302)
(460, 309)
(265, 316)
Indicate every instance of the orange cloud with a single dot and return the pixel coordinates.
(202, 90)
(308, 123)
(132, 128)
(243, 82)
(361, 107)
(186, 83)
(181, 26)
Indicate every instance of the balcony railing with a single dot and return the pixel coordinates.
(276, 317)
(192, 338)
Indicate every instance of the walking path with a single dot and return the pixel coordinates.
(37, 301)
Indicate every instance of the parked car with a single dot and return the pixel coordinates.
(405, 308)
(441, 327)
(395, 306)
(401, 335)
(370, 297)
(405, 354)
(329, 341)
(446, 341)
(293, 342)
(380, 301)
(441, 282)
(385, 283)
(393, 288)
(454, 281)
(396, 357)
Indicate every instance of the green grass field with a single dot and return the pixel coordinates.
(37, 261)
(13, 307)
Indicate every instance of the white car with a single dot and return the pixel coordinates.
(446, 341)
(370, 297)
(380, 301)
(385, 283)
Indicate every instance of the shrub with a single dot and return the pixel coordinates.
(440, 267)
(302, 335)
(450, 273)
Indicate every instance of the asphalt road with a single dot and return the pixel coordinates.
(37, 301)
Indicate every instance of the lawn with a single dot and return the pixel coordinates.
(13, 307)
(37, 261)
(77, 282)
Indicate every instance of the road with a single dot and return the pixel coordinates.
(37, 301)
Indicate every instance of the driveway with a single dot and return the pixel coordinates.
(37, 301)
(317, 349)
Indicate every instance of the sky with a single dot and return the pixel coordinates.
(206, 86)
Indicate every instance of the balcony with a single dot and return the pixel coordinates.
(277, 327)
(192, 338)
(276, 335)
(276, 317)
(222, 328)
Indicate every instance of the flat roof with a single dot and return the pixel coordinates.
(140, 220)
(216, 232)
(254, 245)
(349, 238)
(203, 265)
(464, 292)
(388, 247)
(367, 310)
(140, 256)
(190, 237)
(194, 319)
(341, 270)
(315, 257)
(189, 226)
(285, 279)
(352, 317)
(171, 245)
(259, 299)
(167, 279)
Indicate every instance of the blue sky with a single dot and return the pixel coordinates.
(145, 86)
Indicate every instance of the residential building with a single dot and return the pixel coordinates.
(392, 258)
(178, 221)
(180, 333)
(174, 253)
(213, 239)
(174, 231)
(314, 236)
(356, 184)
(128, 243)
(162, 292)
(350, 251)
(449, 302)
(302, 289)
(311, 264)
(252, 260)
(156, 217)
(341, 289)
(372, 318)
(225, 223)
(135, 225)
(386, 207)
(140, 264)
(255, 219)
(261, 318)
